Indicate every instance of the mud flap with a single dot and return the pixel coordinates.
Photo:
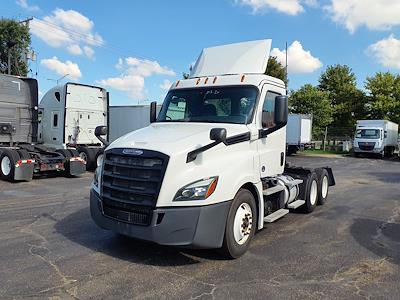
(24, 172)
(76, 167)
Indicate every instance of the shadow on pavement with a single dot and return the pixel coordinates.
(392, 177)
(79, 228)
(379, 237)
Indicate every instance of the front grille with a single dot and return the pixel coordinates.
(366, 146)
(131, 184)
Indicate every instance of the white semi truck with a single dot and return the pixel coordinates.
(69, 114)
(21, 153)
(377, 137)
(210, 169)
(298, 132)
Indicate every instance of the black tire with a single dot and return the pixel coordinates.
(24, 154)
(74, 152)
(89, 155)
(323, 186)
(64, 152)
(311, 193)
(230, 247)
(13, 157)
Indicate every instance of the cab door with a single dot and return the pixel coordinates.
(272, 136)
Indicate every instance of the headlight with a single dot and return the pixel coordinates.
(199, 190)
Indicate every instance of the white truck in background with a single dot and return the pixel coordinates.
(21, 153)
(210, 169)
(377, 137)
(68, 116)
(298, 132)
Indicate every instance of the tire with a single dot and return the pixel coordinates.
(74, 152)
(311, 193)
(89, 155)
(323, 186)
(24, 154)
(236, 242)
(64, 152)
(8, 159)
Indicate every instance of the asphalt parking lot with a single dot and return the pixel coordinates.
(347, 249)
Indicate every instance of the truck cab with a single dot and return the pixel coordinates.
(209, 170)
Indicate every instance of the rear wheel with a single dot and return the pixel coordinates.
(311, 193)
(240, 225)
(8, 159)
(88, 155)
(323, 185)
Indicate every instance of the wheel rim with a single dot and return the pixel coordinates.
(6, 166)
(313, 192)
(324, 187)
(83, 156)
(99, 160)
(243, 223)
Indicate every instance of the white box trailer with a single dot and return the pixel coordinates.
(298, 132)
(376, 137)
(125, 119)
(69, 114)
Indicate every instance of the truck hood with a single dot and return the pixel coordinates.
(171, 138)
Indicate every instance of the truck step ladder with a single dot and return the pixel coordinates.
(296, 204)
(273, 190)
(276, 215)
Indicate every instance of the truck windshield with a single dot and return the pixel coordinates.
(211, 105)
(368, 133)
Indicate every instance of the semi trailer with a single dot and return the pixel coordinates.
(377, 137)
(210, 170)
(21, 154)
(298, 132)
(69, 114)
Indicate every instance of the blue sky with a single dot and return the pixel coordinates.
(137, 48)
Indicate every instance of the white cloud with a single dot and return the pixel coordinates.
(67, 29)
(89, 52)
(133, 74)
(166, 85)
(62, 68)
(74, 49)
(290, 7)
(299, 60)
(374, 14)
(386, 52)
(24, 4)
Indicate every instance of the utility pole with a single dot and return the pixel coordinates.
(286, 71)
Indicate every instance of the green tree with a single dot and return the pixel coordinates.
(348, 101)
(384, 96)
(310, 100)
(14, 36)
(276, 69)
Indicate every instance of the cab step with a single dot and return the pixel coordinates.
(276, 215)
(273, 190)
(296, 204)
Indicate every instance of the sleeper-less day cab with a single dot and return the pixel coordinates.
(210, 169)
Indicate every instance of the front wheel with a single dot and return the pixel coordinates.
(240, 225)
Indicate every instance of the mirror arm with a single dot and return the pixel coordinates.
(192, 155)
(105, 143)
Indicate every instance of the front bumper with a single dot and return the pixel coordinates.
(375, 150)
(193, 227)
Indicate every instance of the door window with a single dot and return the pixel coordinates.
(268, 113)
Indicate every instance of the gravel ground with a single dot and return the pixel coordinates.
(347, 249)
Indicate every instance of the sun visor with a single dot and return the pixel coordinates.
(240, 58)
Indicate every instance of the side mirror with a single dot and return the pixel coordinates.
(153, 112)
(99, 131)
(218, 135)
(281, 110)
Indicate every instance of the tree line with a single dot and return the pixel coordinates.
(337, 101)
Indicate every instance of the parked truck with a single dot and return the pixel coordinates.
(69, 114)
(377, 137)
(298, 132)
(210, 169)
(21, 154)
